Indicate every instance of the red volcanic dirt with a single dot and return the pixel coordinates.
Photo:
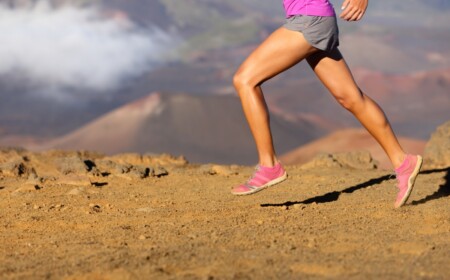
(68, 215)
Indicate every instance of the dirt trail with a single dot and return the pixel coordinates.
(334, 223)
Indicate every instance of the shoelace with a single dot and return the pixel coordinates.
(257, 168)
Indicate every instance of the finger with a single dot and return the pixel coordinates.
(346, 12)
(356, 14)
(360, 16)
(345, 4)
(344, 8)
(350, 13)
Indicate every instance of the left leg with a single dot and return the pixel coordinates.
(334, 73)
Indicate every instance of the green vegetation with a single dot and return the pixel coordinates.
(228, 34)
(213, 24)
(192, 13)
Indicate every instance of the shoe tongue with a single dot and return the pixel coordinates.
(404, 165)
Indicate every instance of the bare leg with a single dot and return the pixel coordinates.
(336, 76)
(281, 50)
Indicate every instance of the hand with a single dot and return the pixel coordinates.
(353, 9)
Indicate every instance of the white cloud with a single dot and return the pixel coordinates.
(72, 47)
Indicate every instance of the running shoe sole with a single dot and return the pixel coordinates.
(268, 184)
(411, 182)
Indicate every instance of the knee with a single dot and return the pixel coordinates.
(243, 79)
(351, 99)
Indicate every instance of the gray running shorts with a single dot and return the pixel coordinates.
(321, 32)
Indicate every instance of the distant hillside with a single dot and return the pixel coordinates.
(204, 129)
(144, 12)
(415, 103)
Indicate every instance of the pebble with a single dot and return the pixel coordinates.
(146, 210)
(95, 207)
(140, 172)
(15, 168)
(206, 169)
(299, 206)
(223, 170)
(28, 188)
(76, 191)
(160, 172)
(68, 165)
(142, 237)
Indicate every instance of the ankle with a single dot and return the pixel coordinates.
(268, 162)
(399, 160)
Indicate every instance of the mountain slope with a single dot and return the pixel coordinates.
(204, 129)
(414, 103)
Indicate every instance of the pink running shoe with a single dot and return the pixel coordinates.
(406, 175)
(263, 177)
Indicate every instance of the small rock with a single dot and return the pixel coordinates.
(140, 172)
(437, 150)
(357, 159)
(71, 165)
(298, 206)
(95, 208)
(223, 170)
(32, 176)
(146, 210)
(27, 188)
(206, 169)
(160, 172)
(321, 161)
(164, 159)
(16, 168)
(76, 191)
(122, 168)
(142, 237)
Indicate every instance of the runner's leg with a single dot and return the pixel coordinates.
(336, 76)
(281, 50)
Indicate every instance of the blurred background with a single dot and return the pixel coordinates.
(154, 76)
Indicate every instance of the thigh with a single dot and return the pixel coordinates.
(333, 72)
(281, 50)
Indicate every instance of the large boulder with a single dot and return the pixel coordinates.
(357, 160)
(437, 150)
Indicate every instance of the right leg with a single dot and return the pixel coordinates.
(334, 73)
(281, 50)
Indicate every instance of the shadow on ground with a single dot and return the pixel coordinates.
(443, 191)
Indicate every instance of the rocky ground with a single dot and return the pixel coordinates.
(80, 215)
